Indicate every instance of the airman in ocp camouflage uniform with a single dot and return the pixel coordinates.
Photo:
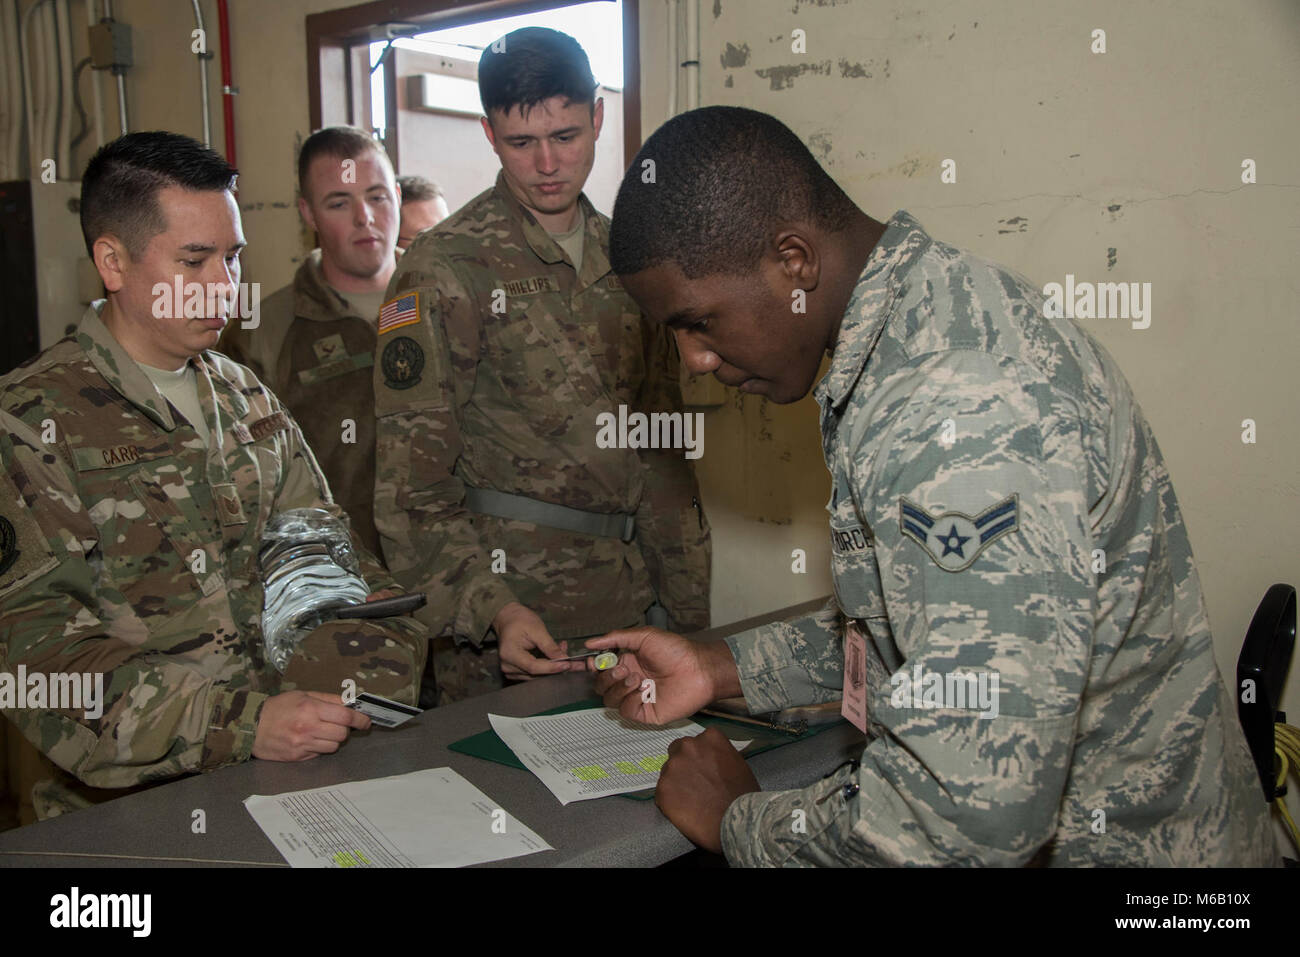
(131, 550)
(469, 394)
(999, 510)
(315, 350)
(314, 343)
(503, 339)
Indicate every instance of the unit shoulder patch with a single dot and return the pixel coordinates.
(402, 362)
(25, 554)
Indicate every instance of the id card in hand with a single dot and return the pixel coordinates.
(383, 711)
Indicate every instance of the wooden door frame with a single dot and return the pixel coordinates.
(330, 33)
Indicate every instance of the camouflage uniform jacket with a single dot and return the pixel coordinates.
(314, 351)
(132, 551)
(999, 505)
(496, 363)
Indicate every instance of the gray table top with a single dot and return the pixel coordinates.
(153, 828)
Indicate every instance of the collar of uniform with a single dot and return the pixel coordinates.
(223, 389)
(116, 365)
(871, 305)
(314, 298)
(595, 245)
(539, 240)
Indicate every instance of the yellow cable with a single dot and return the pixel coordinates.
(1286, 745)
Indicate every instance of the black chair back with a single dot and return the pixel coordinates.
(1261, 675)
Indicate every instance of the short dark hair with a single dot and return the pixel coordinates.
(341, 142)
(724, 178)
(530, 65)
(119, 191)
(417, 189)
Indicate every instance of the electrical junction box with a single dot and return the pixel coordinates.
(110, 45)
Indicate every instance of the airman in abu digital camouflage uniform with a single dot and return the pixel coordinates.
(999, 508)
(504, 335)
(131, 522)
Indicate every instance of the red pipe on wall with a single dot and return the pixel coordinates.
(227, 90)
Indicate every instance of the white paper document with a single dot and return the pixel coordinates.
(589, 754)
(432, 818)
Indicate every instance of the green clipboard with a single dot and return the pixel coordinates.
(490, 747)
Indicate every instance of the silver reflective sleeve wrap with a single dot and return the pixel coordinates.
(307, 567)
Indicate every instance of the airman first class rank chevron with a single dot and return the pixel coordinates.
(961, 536)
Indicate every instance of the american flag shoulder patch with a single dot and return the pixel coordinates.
(402, 311)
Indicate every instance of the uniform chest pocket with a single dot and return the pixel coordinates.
(177, 531)
(334, 368)
(551, 377)
(625, 356)
(853, 551)
(145, 544)
(856, 574)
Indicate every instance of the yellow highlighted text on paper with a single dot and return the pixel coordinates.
(350, 859)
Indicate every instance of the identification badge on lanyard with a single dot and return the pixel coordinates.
(854, 705)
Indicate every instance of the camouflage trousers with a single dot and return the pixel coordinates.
(455, 673)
